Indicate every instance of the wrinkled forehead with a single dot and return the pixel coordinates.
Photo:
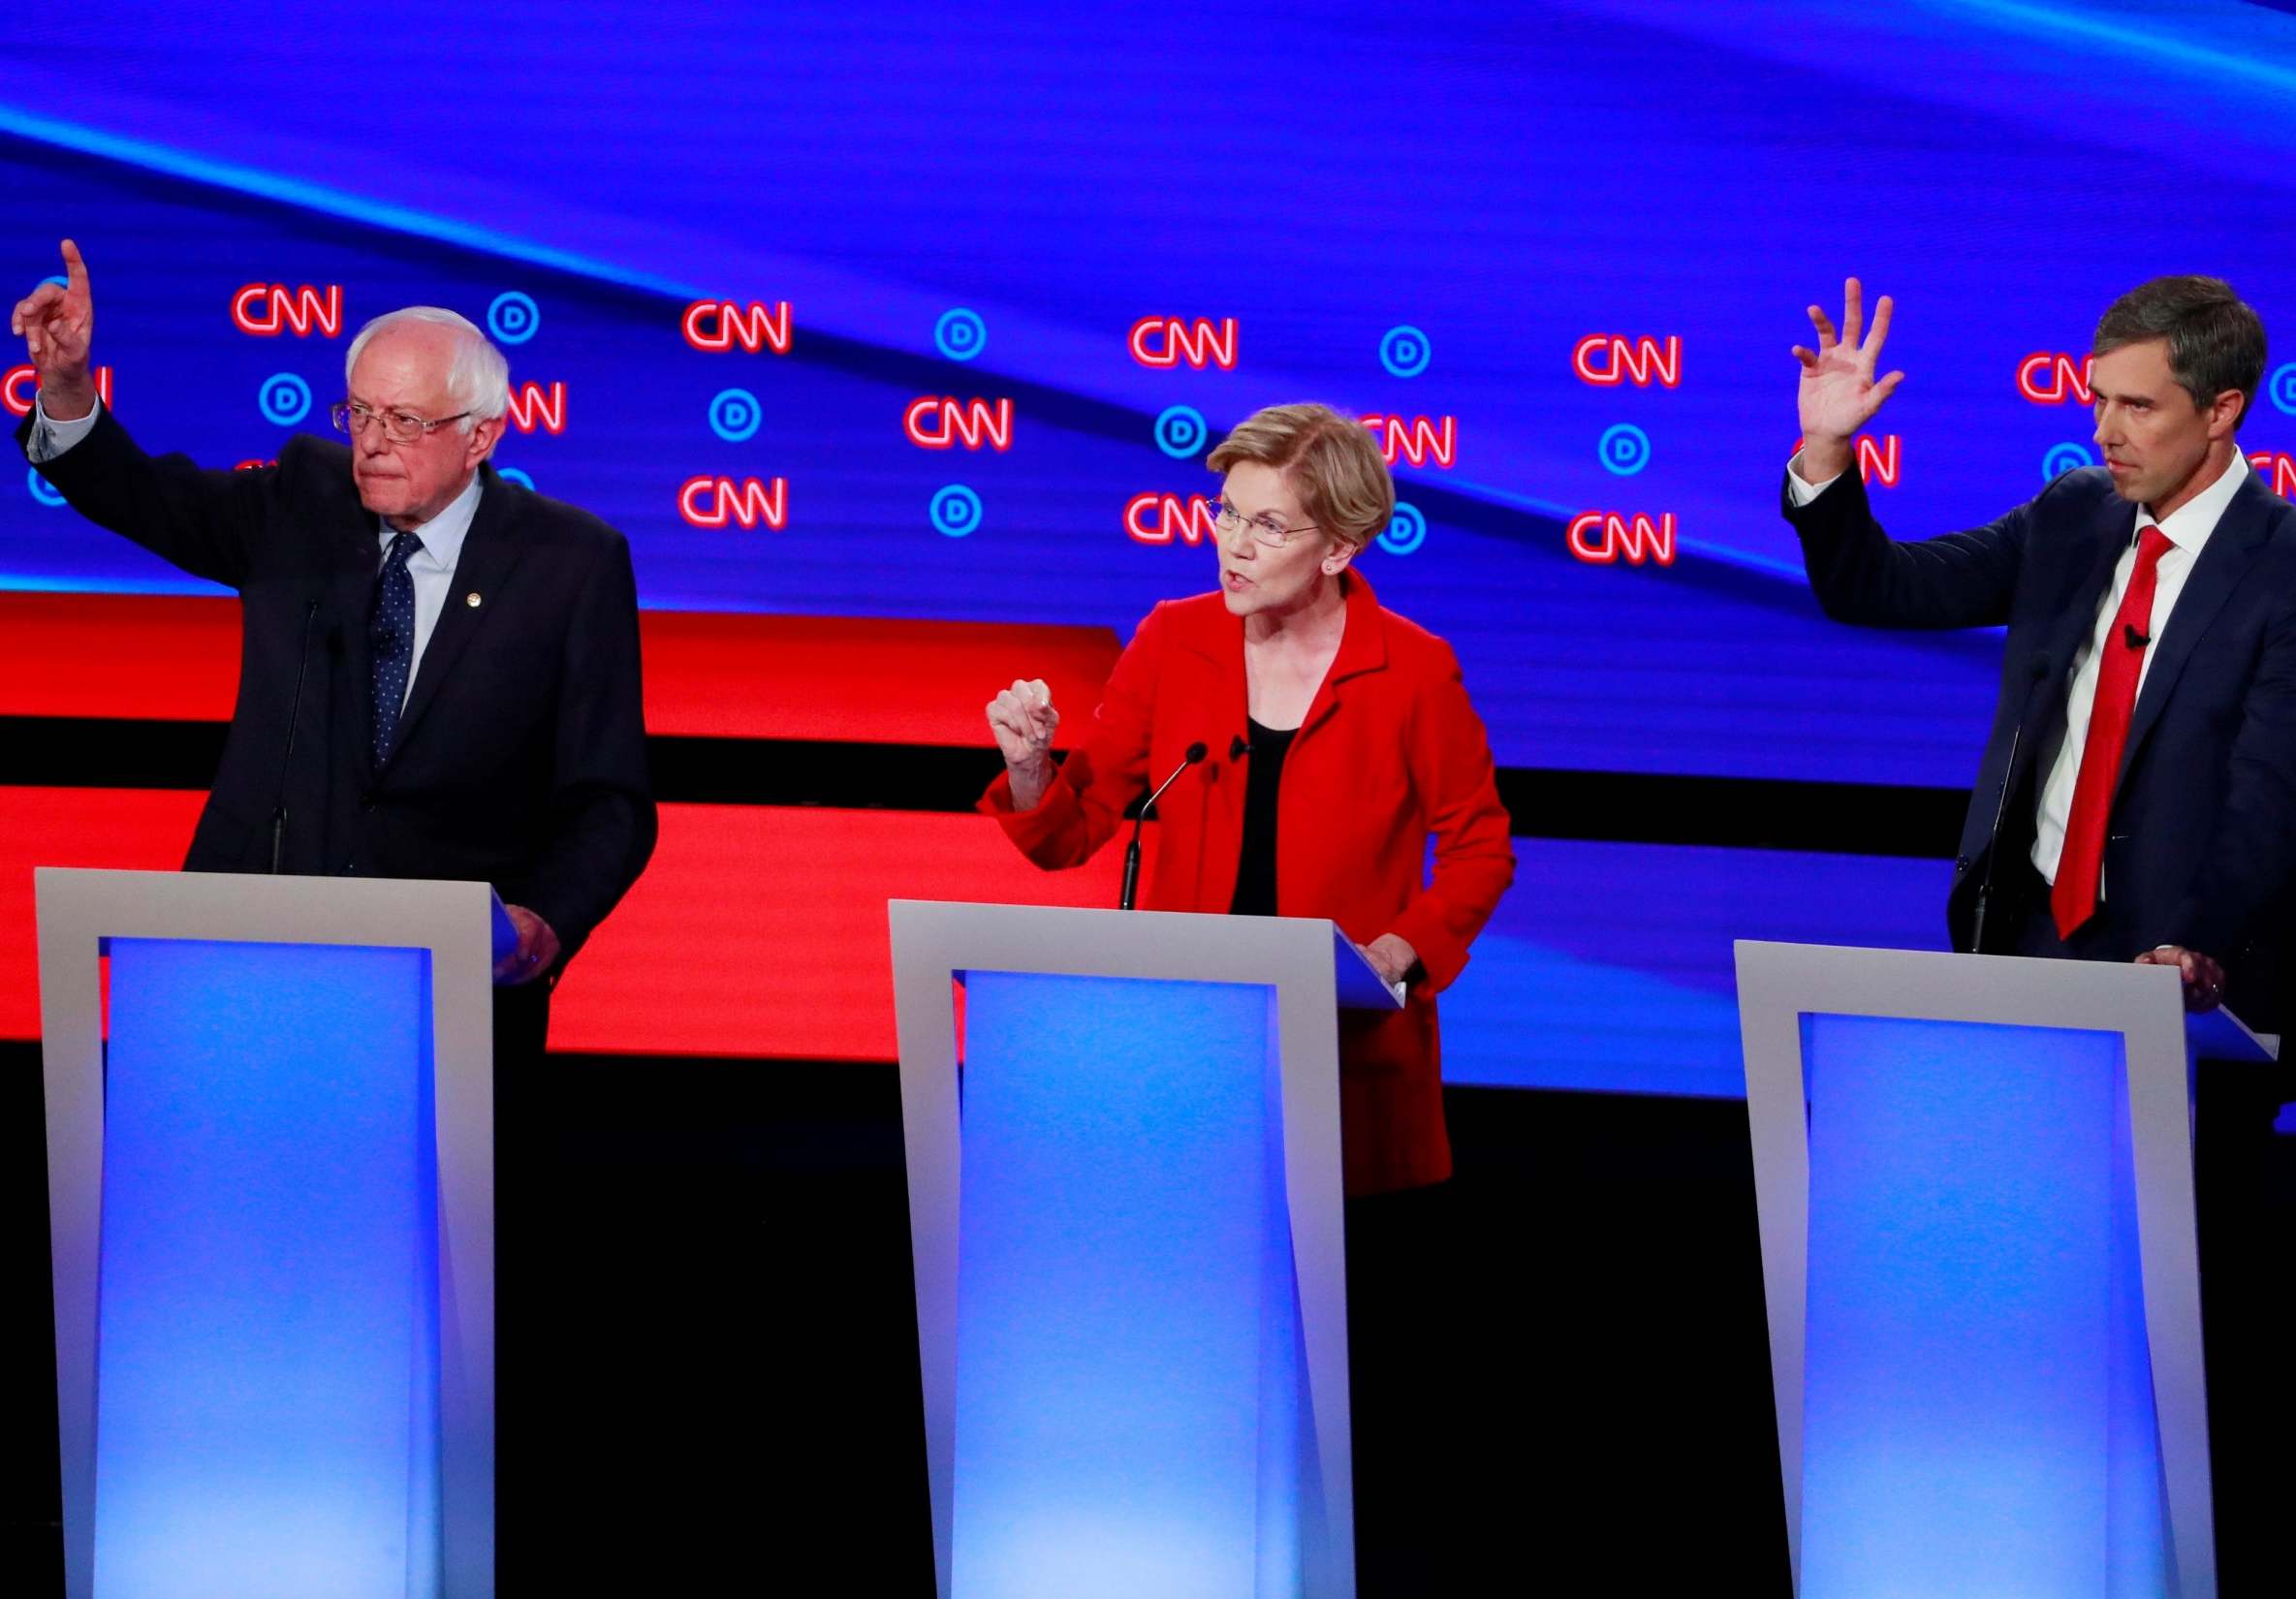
(406, 367)
(1255, 488)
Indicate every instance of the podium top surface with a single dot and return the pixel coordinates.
(2013, 989)
(1171, 945)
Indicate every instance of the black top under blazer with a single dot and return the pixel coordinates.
(520, 757)
(2201, 840)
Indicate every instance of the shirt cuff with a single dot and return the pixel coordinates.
(51, 438)
(1802, 493)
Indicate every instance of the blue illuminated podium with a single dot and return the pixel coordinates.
(1974, 1177)
(270, 1180)
(1124, 1202)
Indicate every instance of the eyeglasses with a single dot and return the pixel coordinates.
(1263, 527)
(398, 427)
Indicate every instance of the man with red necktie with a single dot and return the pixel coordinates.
(2142, 765)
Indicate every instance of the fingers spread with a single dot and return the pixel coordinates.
(1853, 310)
(1881, 315)
(1824, 326)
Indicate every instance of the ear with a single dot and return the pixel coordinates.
(479, 443)
(2224, 413)
(1335, 560)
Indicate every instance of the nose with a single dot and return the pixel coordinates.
(1239, 545)
(2107, 429)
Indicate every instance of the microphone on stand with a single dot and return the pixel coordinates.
(2035, 669)
(1196, 752)
(295, 706)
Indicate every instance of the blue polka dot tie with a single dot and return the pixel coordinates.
(392, 633)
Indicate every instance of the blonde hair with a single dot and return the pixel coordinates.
(1339, 473)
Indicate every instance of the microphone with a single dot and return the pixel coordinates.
(1239, 747)
(295, 706)
(2035, 669)
(2134, 639)
(1196, 752)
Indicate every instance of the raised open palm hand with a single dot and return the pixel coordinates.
(1838, 393)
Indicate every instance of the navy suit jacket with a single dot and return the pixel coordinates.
(520, 757)
(2201, 839)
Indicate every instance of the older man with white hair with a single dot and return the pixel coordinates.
(439, 671)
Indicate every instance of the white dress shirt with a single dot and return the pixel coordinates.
(2188, 531)
(432, 569)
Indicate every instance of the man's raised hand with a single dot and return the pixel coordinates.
(1839, 394)
(57, 325)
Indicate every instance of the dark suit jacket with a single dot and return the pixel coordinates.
(520, 756)
(1390, 755)
(2201, 841)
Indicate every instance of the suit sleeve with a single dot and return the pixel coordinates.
(2251, 864)
(204, 521)
(1457, 788)
(1861, 574)
(1085, 801)
(601, 824)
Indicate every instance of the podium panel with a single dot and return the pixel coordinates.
(1971, 1401)
(1124, 1206)
(270, 1193)
(1129, 1389)
(1974, 1177)
(268, 1398)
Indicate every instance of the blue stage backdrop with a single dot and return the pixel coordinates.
(902, 310)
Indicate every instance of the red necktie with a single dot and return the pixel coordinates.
(2073, 899)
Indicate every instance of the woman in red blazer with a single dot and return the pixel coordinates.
(1341, 742)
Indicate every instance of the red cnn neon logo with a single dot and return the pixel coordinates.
(1876, 462)
(2051, 377)
(1416, 440)
(719, 325)
(1607, 359)
(2278, 468)
(268, 309)
(1153, 518)
(709, 501)
(940, 421)
(256, 463)
(1601, 536)
(21, 383)
(1168, 341)
(532, 406)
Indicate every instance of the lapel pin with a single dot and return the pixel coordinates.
(471, 599)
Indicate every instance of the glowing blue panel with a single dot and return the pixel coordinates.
(266, 1387)
(1128, 1372)
(1978, 1407)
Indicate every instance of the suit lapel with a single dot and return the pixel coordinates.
(2224, 560)
(489, 552)
(354, 558)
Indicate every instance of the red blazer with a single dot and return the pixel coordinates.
(1390, 754)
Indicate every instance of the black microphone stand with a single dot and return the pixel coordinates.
(1196, 752)
(295, 708)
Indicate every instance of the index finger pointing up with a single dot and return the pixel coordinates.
(74, 269)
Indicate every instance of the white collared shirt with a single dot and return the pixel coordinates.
(432, 569)
(2188, 531)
